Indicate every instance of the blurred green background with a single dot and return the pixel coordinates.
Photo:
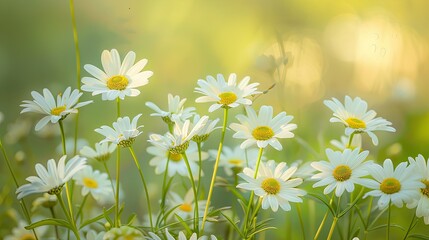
(377, 50)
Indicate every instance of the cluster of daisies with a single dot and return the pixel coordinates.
(184, 210)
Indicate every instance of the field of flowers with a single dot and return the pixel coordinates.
(179, 121)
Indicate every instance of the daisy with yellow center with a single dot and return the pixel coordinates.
(94, 182)
(355, 116)
(119, 79)
(185, 206)
(225, 94)
(56, 110)
(233, 160)
(274, 185)
(123, 133)
(101, 153)
(20, 233)
(396, 186)
(263, 129)
(176, 165)
(343, 171)
(421, 203)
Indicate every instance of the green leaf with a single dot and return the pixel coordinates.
(419, 236)
(131, 219)
(259, 231)
(99, 217)
(323, 201)
(50, 221)
(233, 224)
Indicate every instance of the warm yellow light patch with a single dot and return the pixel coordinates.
(117, 83)
(390, 186)
(186, 207)
(425, 191)
(58, 110)
(355, 123)
(90, 183)
(342, 173)
(262, 133)
(27, 236)
(227, 98)
(271, 186)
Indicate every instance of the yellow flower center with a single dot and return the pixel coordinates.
(390, 186)
(262, 133)
(355, 123)
(90, 183)
(176, 157)
(236, 162)
(271, 186)
(58, 110)
(227, 98)
(425, 191)
(342, 173)
(117, 83)
(186, 207)
(27, 236)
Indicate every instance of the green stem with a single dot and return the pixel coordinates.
(196, 217)
(63, 137)
(319, 230)
(349, 227)
(412, 225)
(144, 185)
(56, 227)
(118, 107)
(388, 220)
(109, 176)
(331, 231)
(79, 212)
(219, 151)
(118, 171)
(301, 221)
(350, 140)
(200, 170)
(164, 190)
(252, 194)
(68, 215)
(21, 202)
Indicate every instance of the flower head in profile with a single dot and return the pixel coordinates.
(178, 141)
(52, 178)
(226, 94)
(20, 233)
(355, 116)
(123, 133)
(118, 79)
(176, 111)
(205, 131)
(101, 153)
(66, 103)
(234, 160)
(422, 203)
(394, 185)
(123, 232)
(94, 182)
(263, 129)
(343, 143)
(274, 185)
(177, 163)
(45, 201)
(342, 171)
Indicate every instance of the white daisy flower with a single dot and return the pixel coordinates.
(274, 185)
(343, 171)
(123, 132)
(205, 131)
(176, 111)
(118, 79)
(422, 203)
(20, 233)
(343, 143)
(124, 232)
(67, 102)
(178, 141)
(177, 163)
(225, 94)
(181, 236)
(46, 201)
(186, 205)
(94, 182)
(234, 160)
(263, 129)
(394, 185)
(354, 115)
(101, 153)
(52, 178)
